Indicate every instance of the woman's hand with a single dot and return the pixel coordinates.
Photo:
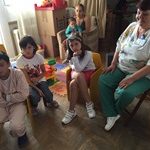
(111, 68)
(126, 82)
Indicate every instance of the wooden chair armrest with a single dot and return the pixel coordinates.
(68, 79)
(61, 36)
(94, 89)
(95, 75)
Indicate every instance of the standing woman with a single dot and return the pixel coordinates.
(82, 20)
(129, 73)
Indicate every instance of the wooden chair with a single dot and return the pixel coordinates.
(137, 106)
(93, 87)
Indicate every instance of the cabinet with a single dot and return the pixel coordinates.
(49, 22)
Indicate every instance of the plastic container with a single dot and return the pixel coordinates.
(59, 3)
(51, 61)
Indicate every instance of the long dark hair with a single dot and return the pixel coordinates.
(83, 46)
(28, 40)
(82, 6)
(143, 5)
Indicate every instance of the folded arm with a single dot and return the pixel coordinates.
(22, 90)
(80, 66)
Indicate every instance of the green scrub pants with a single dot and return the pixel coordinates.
(107, 85)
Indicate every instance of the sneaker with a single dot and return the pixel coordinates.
(69, 117)
(53, 104)
(90, 110)
(22, 140)
(110, 122)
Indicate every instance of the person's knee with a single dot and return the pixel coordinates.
(124, 99)
(43, 84)
(127, 95)
(80, 77)
(73, 83)
(17, 128)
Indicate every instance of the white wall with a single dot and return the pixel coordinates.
(7, 14)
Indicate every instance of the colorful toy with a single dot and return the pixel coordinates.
(50, 71)
(46, 3)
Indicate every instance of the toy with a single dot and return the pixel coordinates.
(50, 71)
(46, 3)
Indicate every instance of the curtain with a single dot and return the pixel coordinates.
(26, 19)
(94, 8)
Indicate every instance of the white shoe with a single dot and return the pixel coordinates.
(90, 110)
(68, 117)
(110, 122)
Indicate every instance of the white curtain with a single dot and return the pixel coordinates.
(26, 18)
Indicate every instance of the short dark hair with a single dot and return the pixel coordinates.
(71, 19)
(4, 56)
(28, 40)
(143, 5)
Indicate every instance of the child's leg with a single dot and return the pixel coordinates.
(35, 97)
(73, 99)
(17, 119)
(83, 87)
(3, 119)
(73, 94)
(48, 96)
(43, 86)
(82, 83)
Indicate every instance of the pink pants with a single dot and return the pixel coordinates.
(16, 115)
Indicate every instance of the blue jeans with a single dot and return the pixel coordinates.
(35, 97)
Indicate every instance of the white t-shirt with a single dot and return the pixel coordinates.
(32, 66)
(134, 52)
(84, 64)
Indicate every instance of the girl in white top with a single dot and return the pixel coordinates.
(32, 64)
(82, 66)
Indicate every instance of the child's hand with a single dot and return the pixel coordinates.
(77, 53)
(40, 92)
(34, 80)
